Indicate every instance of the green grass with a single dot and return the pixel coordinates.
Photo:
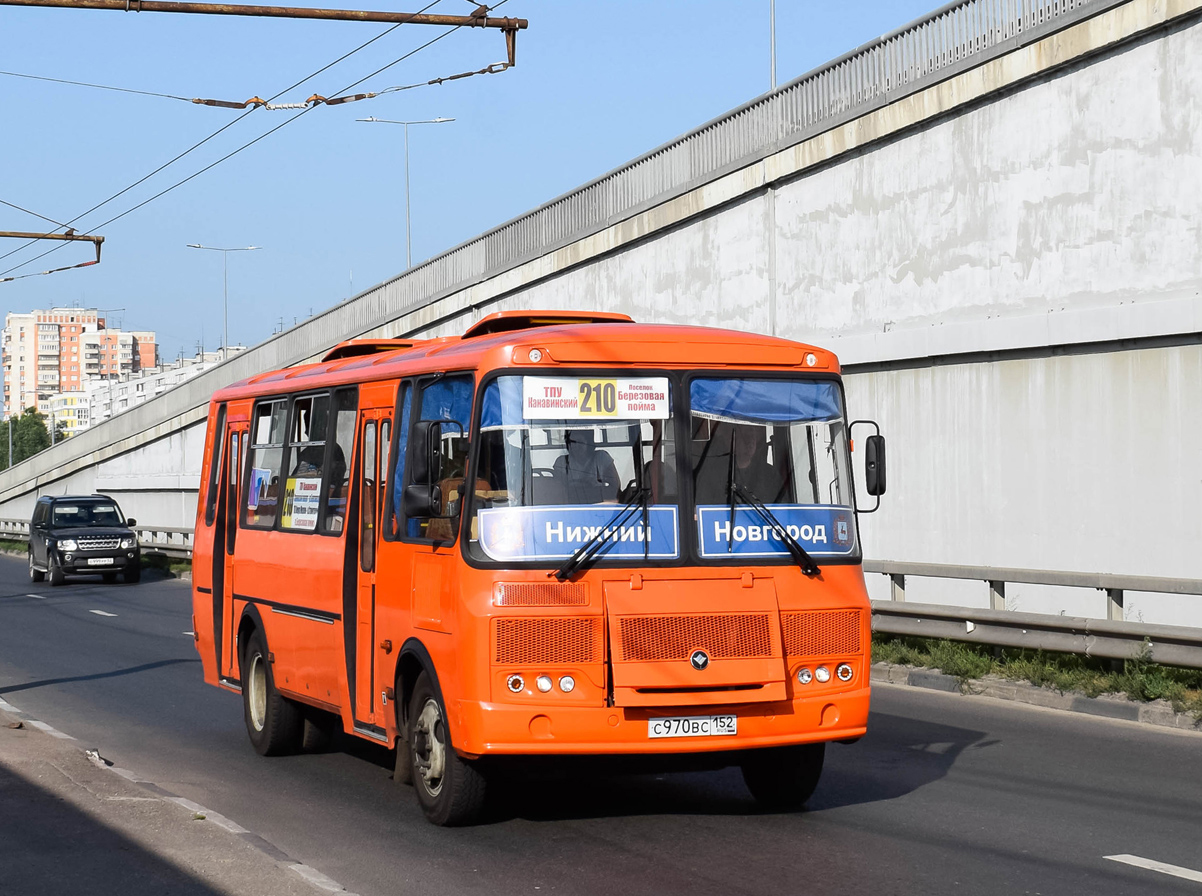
(13, 546)
(1138, 678)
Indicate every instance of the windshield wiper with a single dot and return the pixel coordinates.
(592, 547)
(804, 560)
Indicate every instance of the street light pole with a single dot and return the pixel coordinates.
(408, 230)
(225, 289)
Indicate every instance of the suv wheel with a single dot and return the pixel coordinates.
(35, 575)
(57, 576)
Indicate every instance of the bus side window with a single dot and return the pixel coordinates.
(215, 467)
(396, 483)
(338, 461)
(263, 492)
(448, 399)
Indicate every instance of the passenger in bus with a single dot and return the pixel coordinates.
(308, 462)
(339, 484)
(586, 473)
(749, 468)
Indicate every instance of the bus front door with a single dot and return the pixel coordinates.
(235, 442)
(375, 430)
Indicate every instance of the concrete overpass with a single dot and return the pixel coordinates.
(993, 215)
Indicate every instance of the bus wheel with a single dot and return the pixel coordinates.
(783, 777)
(449, 790)
(273, 722)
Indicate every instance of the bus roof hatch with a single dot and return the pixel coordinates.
(506, 321)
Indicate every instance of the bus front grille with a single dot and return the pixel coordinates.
(721, 636)
(557, 640)
(821, 633)
(541, 594)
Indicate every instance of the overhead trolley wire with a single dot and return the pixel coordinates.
(35, 214)
(225, 127)
(167, 96)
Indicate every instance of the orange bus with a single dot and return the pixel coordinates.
(561, 533)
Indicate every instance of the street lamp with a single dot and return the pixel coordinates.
(225, 277)
(408, 237)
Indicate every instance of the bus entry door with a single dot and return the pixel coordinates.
(236, 441)
(375, 427)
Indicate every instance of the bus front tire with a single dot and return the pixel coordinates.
(274, 722)
(449, 789)
(783, 777)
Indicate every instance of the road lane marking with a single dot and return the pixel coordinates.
(190, 634)
(102, 613)
(1162, 867)
(37, 596)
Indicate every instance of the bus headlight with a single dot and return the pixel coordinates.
(843, 672)
(804, 676)
(543, 682)
(567, 683)
(823, 674)
(515, 683)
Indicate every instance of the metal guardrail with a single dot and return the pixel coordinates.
(165, 540)
(1111, 638)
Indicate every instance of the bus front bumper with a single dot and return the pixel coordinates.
(489, 729)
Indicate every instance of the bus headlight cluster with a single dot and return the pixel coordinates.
(822, 674)
(516, 683)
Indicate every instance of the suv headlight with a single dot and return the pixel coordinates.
(128, 542)
(67, 544)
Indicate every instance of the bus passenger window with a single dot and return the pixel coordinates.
(306, 458)
(263, 492)
(338, 474)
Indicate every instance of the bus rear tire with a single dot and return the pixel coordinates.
(783, 777)
(273, 722)
(450, 790)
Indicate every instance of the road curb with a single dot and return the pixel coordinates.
(1158, 712)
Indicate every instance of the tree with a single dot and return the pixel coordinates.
(29, 436)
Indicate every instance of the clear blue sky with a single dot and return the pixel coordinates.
(596, 84)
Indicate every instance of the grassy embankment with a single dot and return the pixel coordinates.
(1138, 679)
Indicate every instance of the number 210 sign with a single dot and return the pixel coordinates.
(592, 398)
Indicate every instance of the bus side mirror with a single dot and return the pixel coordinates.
(424, 453)
(421, 501)
(874, 465)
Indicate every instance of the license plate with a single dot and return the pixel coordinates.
(693, 726)
(100, 561)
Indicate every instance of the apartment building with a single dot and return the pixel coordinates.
(59, 350)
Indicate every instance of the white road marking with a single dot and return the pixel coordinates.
(1162, 867)
(101, 613)
(53, 732)
(37, 596)
(190, 634)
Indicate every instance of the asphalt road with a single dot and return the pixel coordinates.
(946, 794)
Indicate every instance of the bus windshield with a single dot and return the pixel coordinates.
(777, 443)
(563, 458)
(561, 455)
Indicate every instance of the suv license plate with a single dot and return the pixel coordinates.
(100, 561)
(693, 726)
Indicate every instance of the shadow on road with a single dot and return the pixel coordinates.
(48, 846)
(116, 673)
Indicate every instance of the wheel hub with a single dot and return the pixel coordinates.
(257, 683)
(429, 748)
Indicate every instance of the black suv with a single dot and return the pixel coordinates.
(82, 534)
